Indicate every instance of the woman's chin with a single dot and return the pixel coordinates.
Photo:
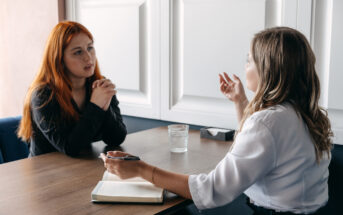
(89, 73)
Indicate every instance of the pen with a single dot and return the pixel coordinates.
(126, 157)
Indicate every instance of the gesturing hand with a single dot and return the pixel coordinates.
(103, 91)
(232, 89)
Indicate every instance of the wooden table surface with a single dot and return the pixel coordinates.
(57, 184)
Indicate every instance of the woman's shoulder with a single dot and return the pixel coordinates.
(41, 95)
(275, 115)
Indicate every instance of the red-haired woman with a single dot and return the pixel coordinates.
(69, 104)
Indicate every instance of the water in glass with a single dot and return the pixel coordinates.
(178, 138)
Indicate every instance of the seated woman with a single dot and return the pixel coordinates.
(69, 104)
(281, 153)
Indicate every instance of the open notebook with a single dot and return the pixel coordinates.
(113, 189)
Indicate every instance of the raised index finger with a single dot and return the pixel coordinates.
(228, 79)
(221, 79)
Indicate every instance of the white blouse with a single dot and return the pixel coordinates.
(273, 162)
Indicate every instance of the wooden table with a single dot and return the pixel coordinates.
(57, 184)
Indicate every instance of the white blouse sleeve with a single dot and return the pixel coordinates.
(252, 157)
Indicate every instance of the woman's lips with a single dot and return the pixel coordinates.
(88, 67)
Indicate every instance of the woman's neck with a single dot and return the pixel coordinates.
(78, 84)
(79, 92)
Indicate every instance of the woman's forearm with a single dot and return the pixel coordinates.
(240, 107)
(174, 182)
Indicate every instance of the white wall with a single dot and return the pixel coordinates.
(164, 55)
(24, 28)
(327, 42)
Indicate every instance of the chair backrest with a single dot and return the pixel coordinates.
(334, 205)
(11, 147)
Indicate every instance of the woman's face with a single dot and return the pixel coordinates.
(252, 77)
(79, 57)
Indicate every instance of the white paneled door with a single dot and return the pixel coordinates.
(327, 42)
(165, 55)
(205, 37)
(126, 34)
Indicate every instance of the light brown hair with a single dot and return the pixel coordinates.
(286, 67)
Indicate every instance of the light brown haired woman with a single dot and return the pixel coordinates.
(281, 152)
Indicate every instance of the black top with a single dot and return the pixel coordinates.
(53, 133)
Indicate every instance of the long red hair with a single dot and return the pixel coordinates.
(53, 74)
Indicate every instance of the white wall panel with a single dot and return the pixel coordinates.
(335, 73)
(207, 37)
(297, 14)
(321, 42)
(335, 100)
(127, 44)
(327, 32)
(273, 13)
(117, 49)
(289, 13)
(165, 55)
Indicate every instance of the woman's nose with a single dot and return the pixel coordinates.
(87, 56)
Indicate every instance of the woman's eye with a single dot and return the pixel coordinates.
(78, 52)
(90, 48)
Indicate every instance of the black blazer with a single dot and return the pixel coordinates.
(51, 132)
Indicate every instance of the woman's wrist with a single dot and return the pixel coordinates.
(240, 107)
(146, 171)
(242, 102)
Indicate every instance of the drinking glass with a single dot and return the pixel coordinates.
(178, 137)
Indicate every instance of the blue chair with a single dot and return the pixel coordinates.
(11, 147)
